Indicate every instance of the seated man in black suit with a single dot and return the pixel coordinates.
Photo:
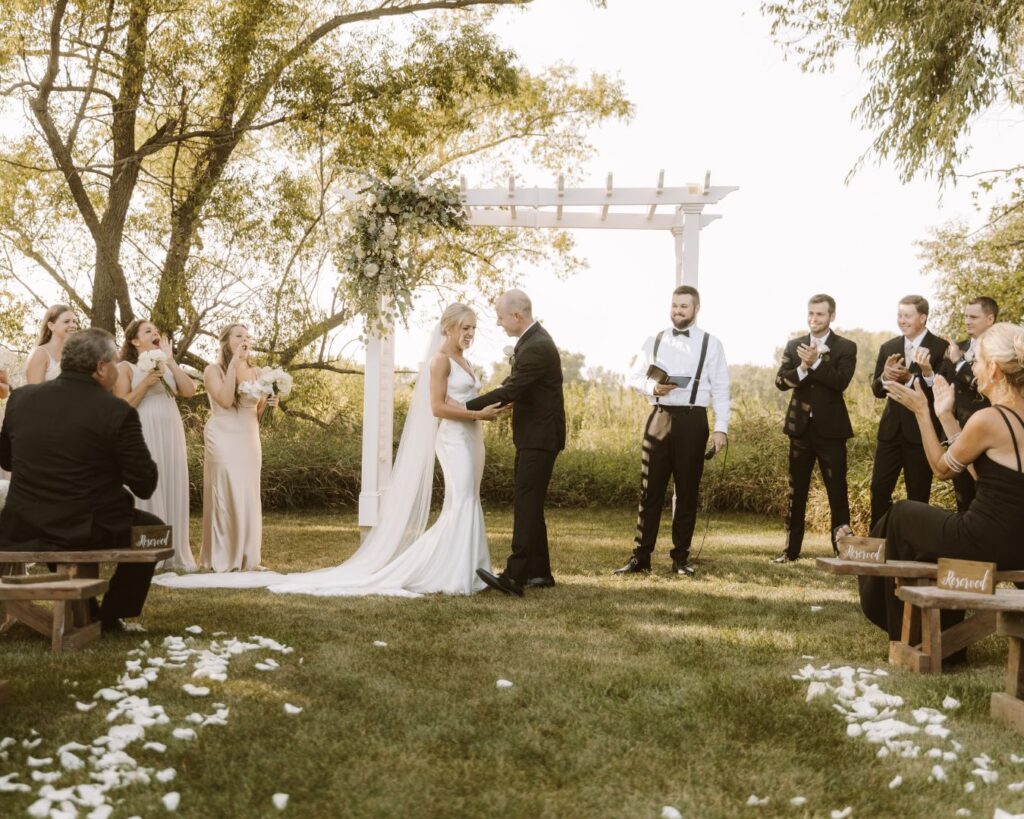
(72, 447)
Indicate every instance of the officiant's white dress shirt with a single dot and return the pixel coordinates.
(679, 355)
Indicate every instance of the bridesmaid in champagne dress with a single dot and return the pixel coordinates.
(232, 508)
(153, 393)
(43, 363)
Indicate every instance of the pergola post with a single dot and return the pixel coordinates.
(378, 426)
(687, 242)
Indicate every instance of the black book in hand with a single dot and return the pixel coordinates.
(660, 376)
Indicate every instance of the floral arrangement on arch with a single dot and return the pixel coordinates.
(377, 276)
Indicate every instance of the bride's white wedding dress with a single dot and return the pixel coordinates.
(399, 558)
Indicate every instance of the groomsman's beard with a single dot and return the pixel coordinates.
(682, 324)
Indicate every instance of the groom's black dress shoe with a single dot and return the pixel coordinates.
(633, 567)
(784, 558)
(684, 567)
(501, 582)
(540, 582)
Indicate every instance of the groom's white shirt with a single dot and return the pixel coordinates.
(679, 355)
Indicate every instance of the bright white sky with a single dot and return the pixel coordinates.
(712, 91)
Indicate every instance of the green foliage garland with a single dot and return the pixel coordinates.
(377, 273)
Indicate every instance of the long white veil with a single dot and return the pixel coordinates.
(402, 516)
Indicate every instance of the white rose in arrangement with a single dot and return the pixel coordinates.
(152, 360)
(255, 389)
(277, 381)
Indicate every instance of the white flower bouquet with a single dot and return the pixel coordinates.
(277, 381)
(152, 360)
(254, 389)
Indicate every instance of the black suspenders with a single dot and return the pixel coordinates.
(700, 363)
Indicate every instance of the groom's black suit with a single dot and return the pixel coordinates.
(538, 431)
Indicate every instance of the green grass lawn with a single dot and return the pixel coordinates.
(629, 693)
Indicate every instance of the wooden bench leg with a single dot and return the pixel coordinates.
(1007, 705)
(908, 653)
(931, 639)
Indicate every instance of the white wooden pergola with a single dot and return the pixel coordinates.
(560, 207)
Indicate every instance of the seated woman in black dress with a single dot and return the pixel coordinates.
(992, 445)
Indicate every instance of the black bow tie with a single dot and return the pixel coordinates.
(680, 332)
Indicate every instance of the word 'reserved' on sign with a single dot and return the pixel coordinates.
(966, 576)
(861, 549)
(151, 537)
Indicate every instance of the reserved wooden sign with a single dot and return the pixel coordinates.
(151, 537)
(861, 549)
(967, 575)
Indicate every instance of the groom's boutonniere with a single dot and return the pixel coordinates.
(823, 352)
(510, 353)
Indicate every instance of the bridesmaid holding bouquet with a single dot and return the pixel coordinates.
(148, 378)
(232, 508)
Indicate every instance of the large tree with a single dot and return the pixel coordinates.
(185, 159)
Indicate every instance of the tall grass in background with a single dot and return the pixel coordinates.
(317, 466)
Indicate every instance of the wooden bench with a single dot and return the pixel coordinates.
(922, 645)
(21, 603)
(85, 565)
(1007, 605)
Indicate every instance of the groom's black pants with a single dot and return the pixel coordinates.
(674, 442)
(529, 556)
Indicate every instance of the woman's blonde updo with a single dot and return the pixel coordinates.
(1003, 344)
(453, 315)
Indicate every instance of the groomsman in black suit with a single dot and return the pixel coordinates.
(980, 314)
(907, 358)
(72, 447)
(818, 367)
(534, 388)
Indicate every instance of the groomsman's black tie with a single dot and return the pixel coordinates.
(676, 332)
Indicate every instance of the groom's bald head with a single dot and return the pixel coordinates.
(515, 312)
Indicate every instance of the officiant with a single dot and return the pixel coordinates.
(682, 372)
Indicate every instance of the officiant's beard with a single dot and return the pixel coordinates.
(681, 324)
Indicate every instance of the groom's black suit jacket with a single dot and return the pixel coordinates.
(897, 420)
(535, 387)
(71, 447)
(820, 393)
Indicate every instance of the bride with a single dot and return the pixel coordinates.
(399, 558)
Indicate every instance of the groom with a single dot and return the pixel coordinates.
(538, 431)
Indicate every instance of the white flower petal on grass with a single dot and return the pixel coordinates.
(949, 756)
(195, 719)
(950, 703)
(815, 690)
(158, 747)
(504, 683)
(195, 690)
(40, 809)
(969, 787)
(937, 774)
(166, 775)
(755, 801)
(72, 746)
(194, 629)
(1016, 760)
(798, 801)
(962, 812)
(85, 706)
(7, 786)
(32, 762)
(265, 667)
(377, 643)
(816, 608)
(109, 694)
(47, 777)
(134, 683)
(71, 762)
(183, 733)
(670, 812)
(280, 800)
(1015, 787)
(842, 814)
(895, 782)
(171, 800)
(102, 812)
(854, 730)
(986, 776)
(1002, 814)
(936, 731)
(292, 710)
(31, 744)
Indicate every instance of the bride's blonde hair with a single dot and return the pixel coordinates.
(1003, 344)
(453, 315)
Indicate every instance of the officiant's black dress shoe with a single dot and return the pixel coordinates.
(634, 566)
(683, 567)
(501, 582)
(785, 558)
(540, 583)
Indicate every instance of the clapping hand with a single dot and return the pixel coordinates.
(943, 396)
(895, 369)
(913, 398)
(808, 354)
(923, 357)
(953, 352)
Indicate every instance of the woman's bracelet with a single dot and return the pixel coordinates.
(953, 464)
(951, 440)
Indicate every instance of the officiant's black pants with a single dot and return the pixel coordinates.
(674, 442)
(129, 585)
(529, 556)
